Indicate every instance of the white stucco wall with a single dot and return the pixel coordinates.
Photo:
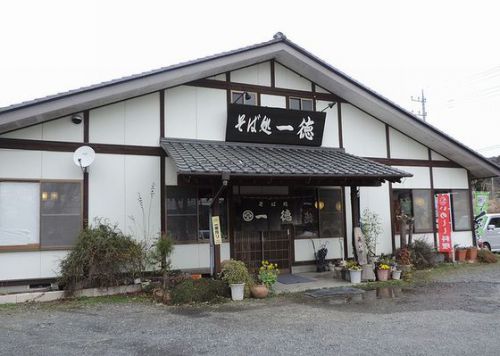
(376, 200)
(30, 265)
(403, 146)
(130, 122)
(304, 248)
(195, 113)
(437, 157)
(24, 164)
(450, 178)
(195, 256)
(274, 101)
(362, 134)
(331, 132)
(421, 178)
(55, 130)
(259, 74)
(285, 78)
(114, 184)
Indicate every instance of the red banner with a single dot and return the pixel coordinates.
(444, 223)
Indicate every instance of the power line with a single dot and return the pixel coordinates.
(422, 100)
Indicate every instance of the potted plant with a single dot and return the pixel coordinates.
(267, 276)
(354, 271)
(235, 273)
(383, 271)
(471, 254)
(404, 261)
(460, 254)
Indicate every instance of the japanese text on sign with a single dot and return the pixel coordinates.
(444, 223)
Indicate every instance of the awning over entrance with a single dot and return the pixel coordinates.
(244, 160)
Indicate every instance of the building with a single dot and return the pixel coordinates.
(289, 148)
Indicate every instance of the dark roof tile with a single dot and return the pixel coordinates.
(243, 159)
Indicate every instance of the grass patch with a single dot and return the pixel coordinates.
(110, 299)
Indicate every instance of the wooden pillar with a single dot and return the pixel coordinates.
(216, 212)
(355, 216)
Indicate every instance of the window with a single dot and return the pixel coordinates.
(19, 213)
(495, 222)
(243, 97)
(300, 104)
(460, 210)
(188, 214)
(60, 214)
(46, 215)
(331, 216)
(416, 203)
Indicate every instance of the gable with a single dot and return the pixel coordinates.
(285, 52)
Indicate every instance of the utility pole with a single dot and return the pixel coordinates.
(422, 100)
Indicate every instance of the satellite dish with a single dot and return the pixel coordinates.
(84, 156)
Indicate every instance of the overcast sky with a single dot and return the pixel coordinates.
(448, 48)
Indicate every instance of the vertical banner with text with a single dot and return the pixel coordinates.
(216, 230)
(444, 223)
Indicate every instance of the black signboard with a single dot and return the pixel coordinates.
(247, 123)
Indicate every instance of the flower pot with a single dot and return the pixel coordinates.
(237, 291)
(396, 274)
(460, 254)
(196, 276)
(337, 272)
(367, 273)
(259, 291)
(355, 276)
(471, 254)
(383, 274)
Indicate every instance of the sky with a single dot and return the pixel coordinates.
(449, 49)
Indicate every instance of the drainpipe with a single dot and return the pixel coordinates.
(214, 211)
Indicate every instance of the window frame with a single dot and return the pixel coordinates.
(197, 240)
(38, 246)
(317, 197)
(301, 105)
(410, 190)
(240, 92)
(452, 206)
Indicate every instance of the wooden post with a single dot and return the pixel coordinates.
(215, 212)
(355, 216)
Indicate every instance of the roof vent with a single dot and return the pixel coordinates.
(279, 36)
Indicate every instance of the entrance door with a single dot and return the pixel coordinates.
(263, 230)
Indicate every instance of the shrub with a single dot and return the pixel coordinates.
(268, 273)
(198, 291)
(235, 272)
(422, 254)
(102, 257)
(486, 256)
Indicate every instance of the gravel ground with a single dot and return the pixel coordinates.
(456, 313)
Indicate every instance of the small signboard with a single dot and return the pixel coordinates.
(444, 223)
(217, 233)
(257, 124)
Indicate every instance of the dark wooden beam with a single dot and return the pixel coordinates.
(414, 162)
(59, 146)
(219, 84)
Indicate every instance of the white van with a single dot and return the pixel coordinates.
(491, 236)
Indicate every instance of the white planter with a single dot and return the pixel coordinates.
(396, 274)
(237, 291)
(355, 276)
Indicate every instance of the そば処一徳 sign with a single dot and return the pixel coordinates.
(256, 124)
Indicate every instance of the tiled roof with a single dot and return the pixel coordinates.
(243, 159)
